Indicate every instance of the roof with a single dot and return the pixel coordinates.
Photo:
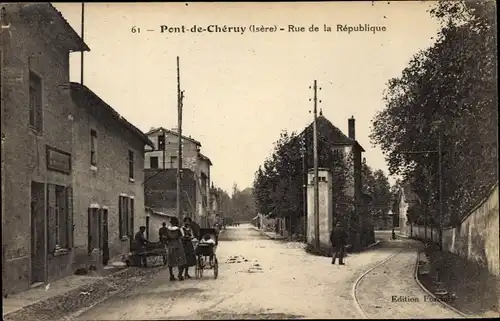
(52, 15)
(168, 131)
(85, 97)
(205, 158)
(331, 133)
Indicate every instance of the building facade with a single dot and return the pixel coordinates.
(58, 202)
(108, 180)
(164, 156)
(37, 127)
(405, 199)
(160, 190)
(354, 209)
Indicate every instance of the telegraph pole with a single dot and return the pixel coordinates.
(304, 184)
(180, 96)
(440, 169)
(316, 180)
(83, 43)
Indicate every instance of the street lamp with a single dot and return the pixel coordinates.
(391, 214)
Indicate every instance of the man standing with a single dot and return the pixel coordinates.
(338, 237)
(141, 242)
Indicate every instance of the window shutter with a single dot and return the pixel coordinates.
(51, 218)
(120, 216)
(131, 215)
(89, 230)
(69, 209)
(101, 227)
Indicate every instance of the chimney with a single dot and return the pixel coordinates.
(352, 132)
(174, 129)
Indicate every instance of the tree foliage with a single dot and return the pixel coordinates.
(278, 188)
(242, 205)
(447, 91)
(376, 184)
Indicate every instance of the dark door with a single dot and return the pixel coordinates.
(147, 227)
(37, 233)
(105, 244)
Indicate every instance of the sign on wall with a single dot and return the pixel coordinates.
(58, 160)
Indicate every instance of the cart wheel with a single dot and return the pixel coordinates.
(216, 268)
(199, 268)
(197, 272)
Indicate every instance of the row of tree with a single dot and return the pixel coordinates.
(237, 207)
(448, 95)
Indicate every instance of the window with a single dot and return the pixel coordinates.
(131, 164)
(93, 148)
(60, 217)
(131, 216)
(123, 216)
(153, 162)
(126, 211)
(35, 96)
(93, 229)
(173, 161)
(161, 142)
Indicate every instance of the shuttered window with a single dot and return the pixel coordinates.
(131, 216)
(126, 216)
(59, 217)
(93, 229)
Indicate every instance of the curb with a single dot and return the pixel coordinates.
(446, 305)
(358, 306)
(64, 293)
(373, 244)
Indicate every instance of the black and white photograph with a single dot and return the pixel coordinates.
(249, 160)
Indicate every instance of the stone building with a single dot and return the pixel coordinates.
(37, 126)
(160, 190)
(108, 180)
(353, 212)
(50, 187)
(406, 198)
(164, 156)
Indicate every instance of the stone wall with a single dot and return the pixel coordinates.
(477, 237)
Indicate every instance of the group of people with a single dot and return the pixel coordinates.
(180, 248)
(179, 242)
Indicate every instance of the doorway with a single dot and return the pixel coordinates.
(147, 227)
(105, 240)
(37, 233)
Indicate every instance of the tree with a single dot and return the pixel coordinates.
(278, 185)
(453, 82)
(376, 184)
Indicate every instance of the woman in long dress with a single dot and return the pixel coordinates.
(188, 246)
(176, 253)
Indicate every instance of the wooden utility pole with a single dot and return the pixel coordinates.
(83, 43)
(180, 96)
(440, 169)
(304, 184)
(316, 180)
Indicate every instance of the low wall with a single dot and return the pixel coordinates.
(477, 237)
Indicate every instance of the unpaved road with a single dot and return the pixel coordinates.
(258, 279)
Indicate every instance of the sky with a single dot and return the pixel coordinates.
(243, 89)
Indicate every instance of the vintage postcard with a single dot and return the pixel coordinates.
(249, 160)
